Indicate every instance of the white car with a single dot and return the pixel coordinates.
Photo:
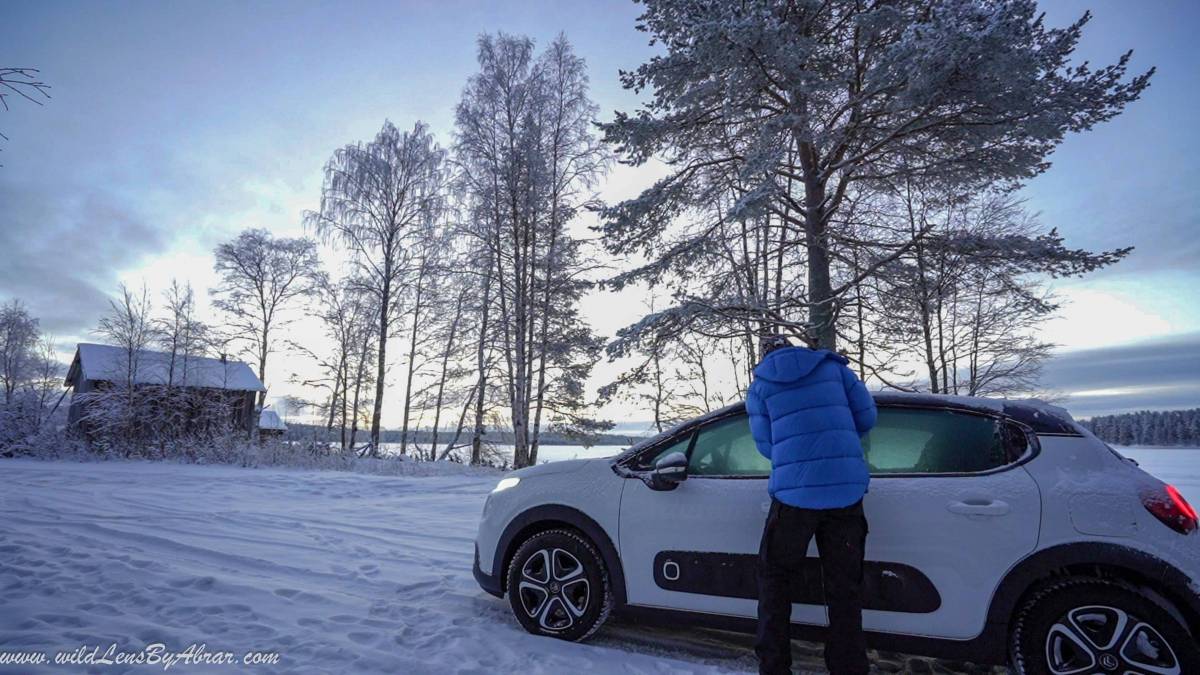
(1001, 532)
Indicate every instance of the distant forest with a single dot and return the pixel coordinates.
(1147, 427)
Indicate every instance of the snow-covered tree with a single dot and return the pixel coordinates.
(1146, 427)
(18, 343)
(30, 374)
(376, 199)
(967, 298)
(781, 109)
(180, 331)
(347, 315)
(528, 158)
(261, 275)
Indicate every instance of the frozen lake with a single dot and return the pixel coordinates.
(1178, 466)
(547, 453)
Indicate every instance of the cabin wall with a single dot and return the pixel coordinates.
(241, 406)
(75, 411)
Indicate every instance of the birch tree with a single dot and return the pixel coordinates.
(429, 273)
(261, 276)
(527, 153)
(30, 373)
(180, 332)
(347, 317)
(113, 414)
(18, 342)
(377, 196)
(968, 299)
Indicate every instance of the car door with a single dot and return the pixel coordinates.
(694, 547)
(950, 501)
(949, 511)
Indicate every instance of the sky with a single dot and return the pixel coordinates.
(173, 126)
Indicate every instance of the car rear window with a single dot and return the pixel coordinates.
(930, 441)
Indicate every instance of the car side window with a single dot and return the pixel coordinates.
(914, 440)
(649, 459)
(726, 448)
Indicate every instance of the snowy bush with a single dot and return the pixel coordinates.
(230, 449)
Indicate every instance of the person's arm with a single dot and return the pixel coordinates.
(862, 404)
(760, 422)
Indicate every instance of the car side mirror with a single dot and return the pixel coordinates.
(669, 472)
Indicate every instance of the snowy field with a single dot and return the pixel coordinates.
(1177, 466)
(336, 572)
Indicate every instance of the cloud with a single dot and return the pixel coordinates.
(62, 253)
(1160, 374)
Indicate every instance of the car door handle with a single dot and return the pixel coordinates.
(993, 507)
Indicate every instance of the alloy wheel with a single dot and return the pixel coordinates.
(1100, 638)
(553, 588)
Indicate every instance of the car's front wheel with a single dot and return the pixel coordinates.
(558, 585)
(1080, 625)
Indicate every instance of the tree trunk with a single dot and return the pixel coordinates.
(338, 376)
(543, 340)
(437, 407)
(821, 312)
(462, 418)
(262, 368)
(481, 385)
(412, 358)
(358, 381)
(345, 391)
(658, 390)
(381, 362)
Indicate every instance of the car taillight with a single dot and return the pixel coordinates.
(1172, 509)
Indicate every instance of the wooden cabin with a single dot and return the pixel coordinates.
(99, 367)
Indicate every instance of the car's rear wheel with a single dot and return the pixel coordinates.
(558, 585)
(1080, 625)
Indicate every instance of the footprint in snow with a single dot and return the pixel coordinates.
(61, 620)
(198, 583)
(301, 596)
(362, 637)
(99, 608)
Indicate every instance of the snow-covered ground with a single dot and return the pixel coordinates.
(334, 571)
(337, 572)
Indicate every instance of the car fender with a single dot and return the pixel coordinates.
(538, 516)
(1083, 557)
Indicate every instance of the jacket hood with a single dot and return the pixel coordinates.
(793, 363)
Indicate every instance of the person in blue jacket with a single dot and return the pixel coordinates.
(808, 412)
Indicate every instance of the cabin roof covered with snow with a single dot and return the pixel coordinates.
(105, 363)
(269, 419)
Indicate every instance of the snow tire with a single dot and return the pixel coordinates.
(558, 585)
(1081, 624)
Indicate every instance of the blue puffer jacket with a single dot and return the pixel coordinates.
(807, 412)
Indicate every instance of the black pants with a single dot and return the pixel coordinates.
(841, 536)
